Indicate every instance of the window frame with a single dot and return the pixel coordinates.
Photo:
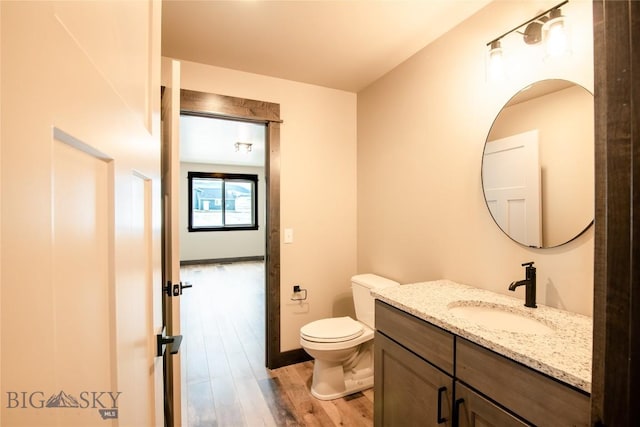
(224, 176)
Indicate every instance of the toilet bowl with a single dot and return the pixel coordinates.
(342, 347)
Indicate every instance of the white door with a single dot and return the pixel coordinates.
(171, 200)
(511, 182)
(80, 299)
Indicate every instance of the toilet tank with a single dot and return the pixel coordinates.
(364, 303)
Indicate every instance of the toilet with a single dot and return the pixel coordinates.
(343, 347)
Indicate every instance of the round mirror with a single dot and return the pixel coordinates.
(538, 164)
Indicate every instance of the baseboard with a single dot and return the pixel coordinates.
(291, 357)
(222, 260)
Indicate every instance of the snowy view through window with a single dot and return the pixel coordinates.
(221, 203)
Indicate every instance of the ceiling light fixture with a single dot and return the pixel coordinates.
(244, 147)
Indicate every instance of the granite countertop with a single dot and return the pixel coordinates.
(564, 353)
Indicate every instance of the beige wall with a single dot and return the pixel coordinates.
(318, 187)
(421, 133)
(223, 244)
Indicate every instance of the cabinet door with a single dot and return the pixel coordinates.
(408, 390)
(535, 397)
(473, 410)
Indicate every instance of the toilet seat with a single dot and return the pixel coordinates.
(335, 329)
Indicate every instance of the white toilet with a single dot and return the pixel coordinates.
(343, 347)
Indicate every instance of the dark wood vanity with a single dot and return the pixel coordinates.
(427, 376)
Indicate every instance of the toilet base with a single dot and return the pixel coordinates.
(351, 386)
(332, 380)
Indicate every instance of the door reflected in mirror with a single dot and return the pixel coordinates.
(538, 164)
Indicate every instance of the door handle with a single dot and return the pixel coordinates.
(173, 342)
(456, 412)
(184, 286)
(175, 289)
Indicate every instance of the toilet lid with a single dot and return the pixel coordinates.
(335, 329)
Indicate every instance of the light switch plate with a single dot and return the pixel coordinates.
(288, 235)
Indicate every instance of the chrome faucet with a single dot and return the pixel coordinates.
(529, 282)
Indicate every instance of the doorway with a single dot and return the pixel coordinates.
(222, 249)
(213, 105)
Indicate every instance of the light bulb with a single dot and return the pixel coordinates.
(496, 63)
(556, 39)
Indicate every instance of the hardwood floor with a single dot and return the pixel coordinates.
(225, 382)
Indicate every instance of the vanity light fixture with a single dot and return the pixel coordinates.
(556, 37)
(549, 26)
(244, 147)
(495, 60)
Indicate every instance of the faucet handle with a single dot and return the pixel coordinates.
(528, 264)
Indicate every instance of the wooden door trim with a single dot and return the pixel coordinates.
(213, 105)
(228, 106)
(616, 336)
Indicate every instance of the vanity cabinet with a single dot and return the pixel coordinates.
(427, 376)
(413, 371)
(415, 393)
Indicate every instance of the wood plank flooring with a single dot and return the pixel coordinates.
(225, 382)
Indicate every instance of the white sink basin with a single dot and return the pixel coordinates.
(499, 317)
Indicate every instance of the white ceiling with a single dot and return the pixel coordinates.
(339, 44)
(210, 140)
(343, 44)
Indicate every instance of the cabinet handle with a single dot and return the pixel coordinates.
(456, 412)
(440, 419)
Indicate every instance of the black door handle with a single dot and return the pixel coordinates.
(174, 290)
(173, 342)
(456, 412)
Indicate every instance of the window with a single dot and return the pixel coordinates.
(222, 201)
